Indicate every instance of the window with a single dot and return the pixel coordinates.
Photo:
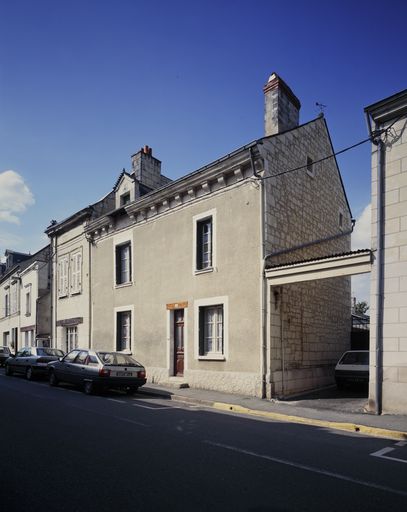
(340, 220)
(28, 301)
(125, 199)
(6, 305)
(71, 338)
(71, 356)
(310, 167)
(211, 330)
(81, 358)
(123, 263)
(123, 330)
(76, 272)
(14, 298)
(204, 244)
(63, 266)
(29, 340)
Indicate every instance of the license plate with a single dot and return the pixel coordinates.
(124, 374)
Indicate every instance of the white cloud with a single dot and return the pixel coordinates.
(15, 196)
(361, 236)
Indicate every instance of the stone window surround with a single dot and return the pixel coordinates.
(121, 309)
(212, 301)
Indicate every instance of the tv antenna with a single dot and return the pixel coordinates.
(321, 107)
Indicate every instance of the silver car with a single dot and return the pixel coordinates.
(32, 361)
(98, 371)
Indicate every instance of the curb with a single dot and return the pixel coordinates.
(343, 426)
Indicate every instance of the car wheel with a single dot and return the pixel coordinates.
(131, 391)
(53, 379)
(29, 373)
(9, 371)
(88, 387)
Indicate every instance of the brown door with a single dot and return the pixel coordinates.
(179, 342)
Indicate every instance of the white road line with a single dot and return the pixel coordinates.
(310, 468)
(159, 408)
(381, 455)
(118, 401)
(401, 443)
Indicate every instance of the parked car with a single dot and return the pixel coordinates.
(5, 353)
(98, 371)
(32, 361)
(352, 367)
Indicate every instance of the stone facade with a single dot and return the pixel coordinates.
(390, 114)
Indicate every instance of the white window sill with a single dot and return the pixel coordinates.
(212, 357)
(123, 285)
(76, 292)
(204, 271)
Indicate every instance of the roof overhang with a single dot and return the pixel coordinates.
(349, 264)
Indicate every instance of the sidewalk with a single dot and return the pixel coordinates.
(343, 414)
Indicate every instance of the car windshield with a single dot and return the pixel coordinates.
(355, 358)
(117, 359)
(4, 350)
(54, 352)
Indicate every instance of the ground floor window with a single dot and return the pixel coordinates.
(123, 330)
(71, 338)
(211, 330)
(29, 340)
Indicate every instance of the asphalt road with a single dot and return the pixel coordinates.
(64, 451)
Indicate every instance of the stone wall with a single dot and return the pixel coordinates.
(309, 322)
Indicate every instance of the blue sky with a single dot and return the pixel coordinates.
(85, 84)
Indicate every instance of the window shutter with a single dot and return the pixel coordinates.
(129, 262)
(199, 245)
(201, 331)
(118, 265)
(118, 331)
(79, 270)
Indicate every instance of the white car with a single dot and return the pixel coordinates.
(352, 368)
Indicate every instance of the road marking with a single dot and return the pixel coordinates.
(310, 468)
(401, 443)
(381, 454)
(118, 401)
(155, 408)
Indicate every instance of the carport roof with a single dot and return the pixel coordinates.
(323, 267)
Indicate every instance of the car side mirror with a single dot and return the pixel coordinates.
(60, 358)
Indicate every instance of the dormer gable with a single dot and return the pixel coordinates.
(125, 189)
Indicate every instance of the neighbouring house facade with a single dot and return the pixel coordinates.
(25, 298)
(388, 313)
(174, 271)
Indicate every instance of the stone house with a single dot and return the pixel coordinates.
(388, 314)
(25, 299)
(174, 271)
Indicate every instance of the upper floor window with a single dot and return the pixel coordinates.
(123, 263)
(310, 167)
(125, 199)
(76, 272)
(63, 268)
(14, 298)
(28, 300)
(6, 305)
(204, 244)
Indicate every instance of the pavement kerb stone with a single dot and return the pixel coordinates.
(347, 427)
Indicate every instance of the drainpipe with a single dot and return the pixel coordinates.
(379, 277)
(379, 292)
(263, 299)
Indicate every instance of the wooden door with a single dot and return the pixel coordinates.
(179, 342)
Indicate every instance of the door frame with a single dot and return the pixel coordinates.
(170, 338)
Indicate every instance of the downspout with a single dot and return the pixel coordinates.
(263, 347)
(90, 291)
(379, 292)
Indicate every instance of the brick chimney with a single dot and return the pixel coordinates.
(282, 107)
(146, 168)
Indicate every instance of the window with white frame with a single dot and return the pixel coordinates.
(123, 330)
(29, 340)
(123, 263)
(28, 300)
(63, 279)
(71, 338)
(6, 304)
(204, 240)
(211, 330)
(76, 272)
(14, 298)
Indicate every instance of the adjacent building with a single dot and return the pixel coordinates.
(25, 298)
(388, 346)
